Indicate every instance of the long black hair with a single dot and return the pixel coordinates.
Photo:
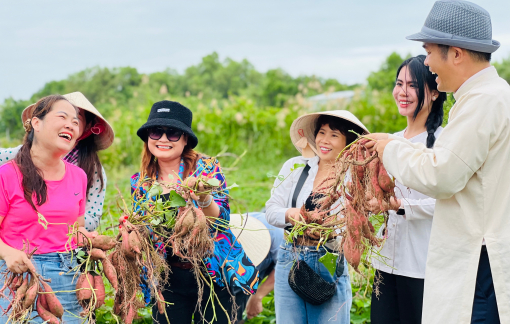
(33, 182)
(421, 75)
(87, 158)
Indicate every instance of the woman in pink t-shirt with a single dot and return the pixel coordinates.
(42, 198)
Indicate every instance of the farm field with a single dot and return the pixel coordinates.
(242, 116)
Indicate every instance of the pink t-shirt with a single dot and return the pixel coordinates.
(65, 203)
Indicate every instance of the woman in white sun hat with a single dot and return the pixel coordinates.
(95, 134)
(320, 137)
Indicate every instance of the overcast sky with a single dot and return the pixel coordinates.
(41, 41)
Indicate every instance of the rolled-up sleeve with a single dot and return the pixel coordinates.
(276, 206)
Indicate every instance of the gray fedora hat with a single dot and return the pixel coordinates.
(458, 23)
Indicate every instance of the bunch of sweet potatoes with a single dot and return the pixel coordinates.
(368, 178)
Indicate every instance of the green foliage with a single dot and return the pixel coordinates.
(378, 112)
(503, 68)
(237, 110)
(384, 79)
(10, 118)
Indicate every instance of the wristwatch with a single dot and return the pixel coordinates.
(401, 211)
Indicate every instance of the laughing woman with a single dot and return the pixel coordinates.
(39, 181)
(399, 295)
(94, 134)
(327, 134)
(168, 149)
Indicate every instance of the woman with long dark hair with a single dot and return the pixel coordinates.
(169, 156)
(94, 134)
(42, 201)
(398, 285)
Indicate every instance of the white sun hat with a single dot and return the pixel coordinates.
(253, 236)
(302, 130)
(104, 139)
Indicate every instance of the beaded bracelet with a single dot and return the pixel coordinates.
(206, 204)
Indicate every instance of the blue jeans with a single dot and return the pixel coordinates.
(290, 308)
(55, 266)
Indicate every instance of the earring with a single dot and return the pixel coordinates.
(433, 98)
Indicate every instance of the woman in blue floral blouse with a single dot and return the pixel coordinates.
(168, 150)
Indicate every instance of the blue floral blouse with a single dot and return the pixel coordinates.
(238, 271)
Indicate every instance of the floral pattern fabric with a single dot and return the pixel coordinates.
(229, 264)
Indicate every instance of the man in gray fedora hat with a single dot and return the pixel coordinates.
(467, 171)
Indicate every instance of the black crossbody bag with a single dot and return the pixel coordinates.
(305, 282)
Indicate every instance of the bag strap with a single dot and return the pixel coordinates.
(299, 185)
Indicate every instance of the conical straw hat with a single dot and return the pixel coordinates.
(304, 126)
(253, 236)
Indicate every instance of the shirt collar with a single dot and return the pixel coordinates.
(313, 161)
(469, 83)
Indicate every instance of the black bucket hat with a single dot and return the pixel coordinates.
(169, 114)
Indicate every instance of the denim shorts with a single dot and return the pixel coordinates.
(290, 308)
(57, 267)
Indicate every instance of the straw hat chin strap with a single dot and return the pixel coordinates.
(97, 129)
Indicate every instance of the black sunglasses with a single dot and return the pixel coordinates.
(172, 134)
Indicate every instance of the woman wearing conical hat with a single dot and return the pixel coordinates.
(95, 134)
(320, 137)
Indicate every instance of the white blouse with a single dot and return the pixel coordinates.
(405, 251)
(95, 197)
(281, 196)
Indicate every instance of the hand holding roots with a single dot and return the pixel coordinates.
(23, 290)
(368, 175)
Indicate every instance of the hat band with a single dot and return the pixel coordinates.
(439, 34)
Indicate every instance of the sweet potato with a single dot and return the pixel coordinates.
(374, 180)
(103, 242)
(161, 303)
(45, 314)
(384, 180)
(187, 220)
(110, 273)
(125, 247)
(134, 242)
(30, 295)
(360, 170)
(15, 283)
(100, 291)
(43, 298)
(113, 258)
(85, 286)
(97, 254)
(201, 220)
(53, 304)
(130, 315)
(22, 290)
(352, 252)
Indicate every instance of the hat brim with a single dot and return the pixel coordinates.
(142, 131)
(462, 43)
(253, 236)
(304, 126)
